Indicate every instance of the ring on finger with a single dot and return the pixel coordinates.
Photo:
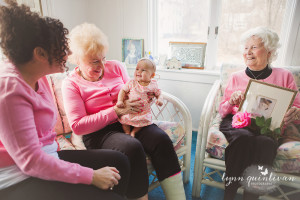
(296, 117)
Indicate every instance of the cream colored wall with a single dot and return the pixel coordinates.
(117, 18)
(70, 12)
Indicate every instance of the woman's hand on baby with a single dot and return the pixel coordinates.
(291, 115)
(236, 98)
(106, 178)
(130, 107)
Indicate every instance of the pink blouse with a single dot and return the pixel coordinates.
(26, 125)
(89, 105)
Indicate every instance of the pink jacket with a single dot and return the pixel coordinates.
(239, 81)
(89, 105)
(27, 120)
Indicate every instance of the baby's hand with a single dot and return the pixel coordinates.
(159, 102)
(120, 104)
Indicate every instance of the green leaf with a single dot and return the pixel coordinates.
(264, 130)
(277, 131)
(268, 122)
(260, 121)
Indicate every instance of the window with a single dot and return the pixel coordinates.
(177, 22)
(218, 23)
(239, 16)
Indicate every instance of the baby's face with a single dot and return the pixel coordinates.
(264, 106)
(144, 71)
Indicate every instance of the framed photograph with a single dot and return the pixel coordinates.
(190, 54)
(268, 100)
(132, 50)
(35, 5)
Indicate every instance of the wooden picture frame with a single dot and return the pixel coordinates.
(132, 50)
(268, 100)
(35, 5)
(190, 54)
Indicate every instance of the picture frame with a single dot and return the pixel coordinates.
(35, 5)
(268, 100)
(190, 54)
(132, 50)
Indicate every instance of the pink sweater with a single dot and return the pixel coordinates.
(27, 120)
(239, 81)
(89, 105)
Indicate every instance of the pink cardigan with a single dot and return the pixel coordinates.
(27, 120)
(89, 105)
(239, 81)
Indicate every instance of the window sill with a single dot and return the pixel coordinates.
(186, 75)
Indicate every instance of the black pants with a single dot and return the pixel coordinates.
(245, 148)
(37, 189)
(149, 140)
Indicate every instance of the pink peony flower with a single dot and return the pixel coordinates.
(241, 120)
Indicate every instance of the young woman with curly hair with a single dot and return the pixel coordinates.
(30, 166)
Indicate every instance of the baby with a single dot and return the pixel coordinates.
(264, 104)
(263, 108)
(140, 87)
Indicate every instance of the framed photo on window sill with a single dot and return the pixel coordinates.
(268, 100)
(190, 54)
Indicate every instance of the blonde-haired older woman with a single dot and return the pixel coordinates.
(246, 147)
(90, 94)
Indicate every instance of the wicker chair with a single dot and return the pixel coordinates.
(211, 155)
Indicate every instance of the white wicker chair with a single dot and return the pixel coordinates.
(204, 160)
(173, 110)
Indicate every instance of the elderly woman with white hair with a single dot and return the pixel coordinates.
(247, 148)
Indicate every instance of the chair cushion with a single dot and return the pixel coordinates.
(64, 143)
(62, 126)
(174, 130)
(216, 141)
(288, 158)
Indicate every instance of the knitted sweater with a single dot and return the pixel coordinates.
(27, 120)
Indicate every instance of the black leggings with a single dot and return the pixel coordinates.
(245, 148)
(37, 189)
(149, 140)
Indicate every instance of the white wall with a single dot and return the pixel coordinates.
(116, 18)
(70, 12)
(119, 19)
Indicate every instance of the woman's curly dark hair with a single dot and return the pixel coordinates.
(21, 31)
